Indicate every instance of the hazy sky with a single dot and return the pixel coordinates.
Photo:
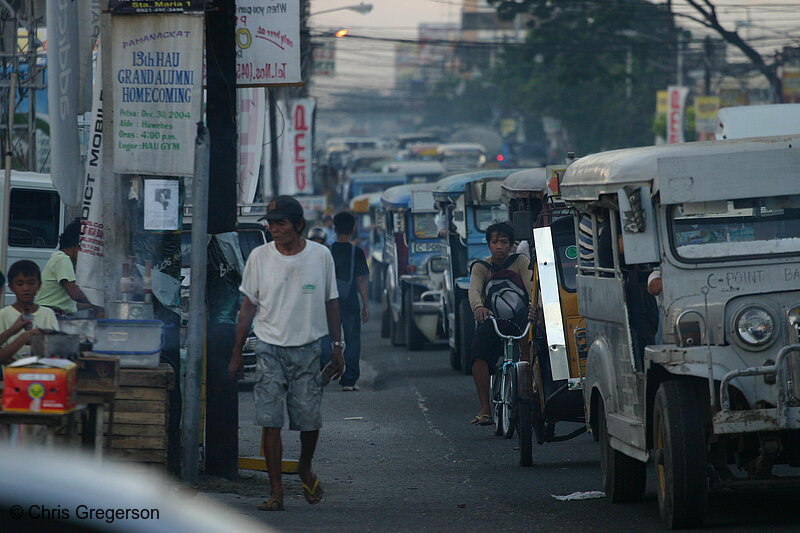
(369, 64)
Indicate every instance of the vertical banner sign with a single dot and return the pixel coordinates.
(676, 100)
(62, 98)
(705, 117)
(252, 106)
(267, 43)
(88, 34)
(297, 152)
(89, 268)
(157, 64)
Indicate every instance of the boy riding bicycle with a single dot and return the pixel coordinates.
(499, 286)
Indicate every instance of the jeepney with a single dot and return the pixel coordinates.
(468, 204)
(549, 389)
(413, 303)
(367, 182)
(461, 156)
(706, 379)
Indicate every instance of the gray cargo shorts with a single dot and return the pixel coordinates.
(291, 373)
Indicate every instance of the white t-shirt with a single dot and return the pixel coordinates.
(43, 318)
(290, 292)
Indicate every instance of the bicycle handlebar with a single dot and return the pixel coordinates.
(508, 337)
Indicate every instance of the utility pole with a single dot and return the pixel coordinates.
(222, 410)
(708, 51)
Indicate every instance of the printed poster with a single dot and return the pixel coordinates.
(157, 65)
(267, 43)
(161, 205)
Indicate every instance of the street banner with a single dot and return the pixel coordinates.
(676, 102)
(89, 266)
(705, 117)
(63, 68)
(252, 106)
(267, 43)
(297, 148)
(266, 160)
(128, 7)
(157, 71)
(88, 34)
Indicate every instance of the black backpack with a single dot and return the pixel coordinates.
(505, 293)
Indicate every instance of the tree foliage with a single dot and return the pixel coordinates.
(595, 65)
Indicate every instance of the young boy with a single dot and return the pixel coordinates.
(24, 280)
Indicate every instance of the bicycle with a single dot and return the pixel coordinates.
(504, 384)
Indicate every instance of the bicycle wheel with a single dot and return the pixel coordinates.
(509, 401)
(497, 402)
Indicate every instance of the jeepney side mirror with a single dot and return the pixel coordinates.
(639, 227)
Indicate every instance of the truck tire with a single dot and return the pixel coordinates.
(623, 476)
(679, 446)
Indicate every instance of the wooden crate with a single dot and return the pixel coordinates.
(141, 415)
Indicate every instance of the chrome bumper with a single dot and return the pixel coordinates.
(784, 416)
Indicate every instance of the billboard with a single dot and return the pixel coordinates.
(267, 43)
(157, 69)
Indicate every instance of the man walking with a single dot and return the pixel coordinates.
(289, 288)
(352, 274)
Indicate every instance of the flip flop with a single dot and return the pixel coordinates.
(482, 420)
(314, 493)
(273, 504)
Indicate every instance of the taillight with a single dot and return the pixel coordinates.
(411, 269)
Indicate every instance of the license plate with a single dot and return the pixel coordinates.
(425, 247)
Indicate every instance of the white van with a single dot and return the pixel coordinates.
(36, 218)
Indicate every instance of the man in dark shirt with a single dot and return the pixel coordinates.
(352, 274)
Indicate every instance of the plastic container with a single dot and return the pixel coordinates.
(136, 343)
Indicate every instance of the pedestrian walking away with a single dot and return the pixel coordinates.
(352, 274)
(291, 300)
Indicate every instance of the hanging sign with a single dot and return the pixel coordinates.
(126, 7)
(157, 67)
(297, 148)
(267, 43)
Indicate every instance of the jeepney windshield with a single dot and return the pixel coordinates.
(736, 228)
(486, 215)
(425, 226)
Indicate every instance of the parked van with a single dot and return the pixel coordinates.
(36, 218)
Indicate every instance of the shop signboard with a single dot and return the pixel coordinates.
(267, 43)
(157, 68)
(129, 7)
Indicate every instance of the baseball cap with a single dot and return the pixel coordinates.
(283, 207)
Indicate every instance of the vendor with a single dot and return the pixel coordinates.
(59, 291)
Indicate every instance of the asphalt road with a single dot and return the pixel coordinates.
(400, 455)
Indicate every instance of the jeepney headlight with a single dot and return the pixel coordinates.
(755, 326)
(794, 316)
(438, 264)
